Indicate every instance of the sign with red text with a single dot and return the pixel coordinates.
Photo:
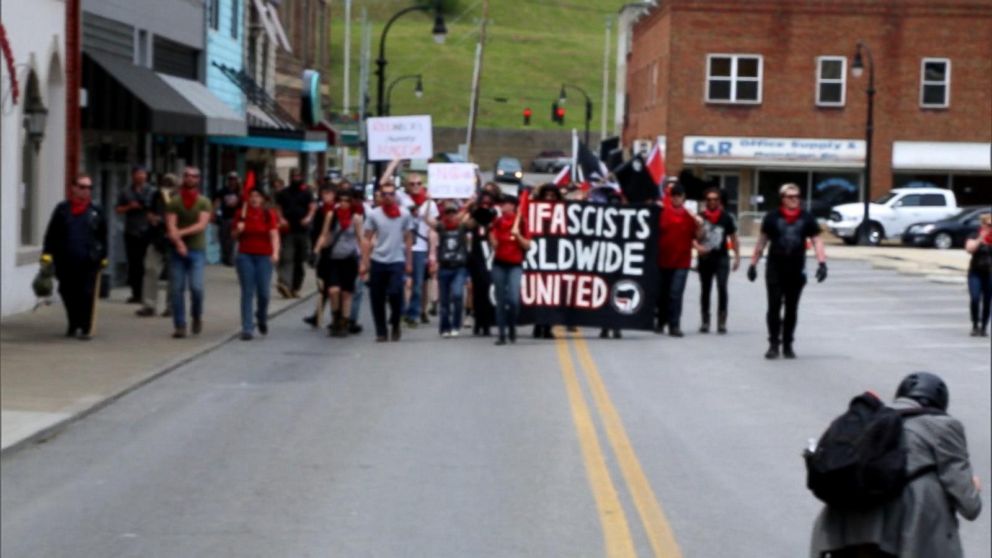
(400, 137)
(451, 180)
(590, 265)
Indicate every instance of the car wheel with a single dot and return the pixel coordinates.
(943, 241)
(875, 234)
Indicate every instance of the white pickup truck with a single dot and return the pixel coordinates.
(892, 213)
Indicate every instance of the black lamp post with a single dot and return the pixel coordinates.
(857, 68)
(561, 100)
(418, 90)
(35, 120)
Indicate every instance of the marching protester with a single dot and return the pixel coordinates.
(424, 211)
(325, 208)
(786, 232)
(719, 230)
(546, 193)
(296, 207)
(133, 204)
(606, 195)
(980, 276)
(509, 243)
(76, 245)
(678, 234)
(483, 213)
(226, 203)
(921, 520)
(157, 255)
(339, 250)
(451, 254)
(362, 207)
(187, 217)
(387, 255)
(256, 230)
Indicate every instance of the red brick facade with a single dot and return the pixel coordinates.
(667, 75)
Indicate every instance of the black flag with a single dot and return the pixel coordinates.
(635, 181)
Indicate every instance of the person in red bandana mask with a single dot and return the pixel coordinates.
(186, 220)
(719, 230)
(76, 244)
(416, 199)
(451, 252)
(785, 232)
(678, 234)
(980, 275)
(338, 249)
(297, 207)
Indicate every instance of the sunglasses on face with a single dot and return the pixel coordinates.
(415, 183)
(791, 196)
(82, 187)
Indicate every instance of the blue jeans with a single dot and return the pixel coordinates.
(671, 287)
(255, 276)
(356, 299)
(451, 287)
(980, 288)
(506, 280)
(183, 269)
(419, 268)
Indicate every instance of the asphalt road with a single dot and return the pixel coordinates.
(300, 445)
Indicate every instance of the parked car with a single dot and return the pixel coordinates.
(892, 213)
(508, 169)
(946, 233)
(550, 161)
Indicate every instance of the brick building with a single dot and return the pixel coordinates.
(750, 95)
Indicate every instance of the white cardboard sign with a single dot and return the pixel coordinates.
(451, 180)
(400, 137)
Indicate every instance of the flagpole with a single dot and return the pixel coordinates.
(575, 153)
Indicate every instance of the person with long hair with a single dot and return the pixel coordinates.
(510, 243)
(256, 230)
(338, 246)
(980, 276)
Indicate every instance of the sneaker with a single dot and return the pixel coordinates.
(179, 333)
(787, 352)
(454, 333)
(310, 320)
(445, 334)
(501, 341)
(245, 336)
(772, 352)
(145, 312)
(263, 328)
(197, 326)
(354, 328)
(975, 332)
(721, 329)
(705, 328)
(617, 334)
(410, 322)
(84, 336)
(675, 332)
(604, 333)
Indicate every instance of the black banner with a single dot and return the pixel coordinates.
(590, 265)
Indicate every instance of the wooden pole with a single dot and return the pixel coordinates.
(477, 79)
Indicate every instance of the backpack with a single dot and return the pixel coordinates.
(860, 461)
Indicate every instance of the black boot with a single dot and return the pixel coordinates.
(705, 326)
(721, 323)
(513, 334)
(772, 352)
(787, 351)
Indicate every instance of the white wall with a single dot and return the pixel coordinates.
(35, 32)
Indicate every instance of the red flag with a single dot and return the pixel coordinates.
(563, 177)
(522, 207)
(656, 164)
(249, 184)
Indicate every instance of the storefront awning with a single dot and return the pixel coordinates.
(285, 140)
(773, 152)
(220, 119)
(942, 156)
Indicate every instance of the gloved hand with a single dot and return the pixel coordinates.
(752, 273)
(821, 272)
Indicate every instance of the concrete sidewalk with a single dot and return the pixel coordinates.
(48, 380)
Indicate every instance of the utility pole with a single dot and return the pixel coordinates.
(476, 80)
(606, 80)
(363, 92)
(73, 80)
(346, 96)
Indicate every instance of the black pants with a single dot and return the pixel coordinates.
(294, 251)
(719, 269)
(671, 286)
(483, 313)
(784, 289)
(386, 283)
(77, 291)
(135, 246)
(226, 241)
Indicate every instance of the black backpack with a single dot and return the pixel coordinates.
(860, 461)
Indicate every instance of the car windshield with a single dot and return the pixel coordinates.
(509, 165)
(885, 198)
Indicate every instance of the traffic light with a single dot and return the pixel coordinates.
(560, 115)
(527, 113)
(554, 111)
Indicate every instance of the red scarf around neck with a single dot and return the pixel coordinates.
(327, 207)
(791, 215)
(450, 222)
(391, 209)
(988, 236)
(189, 195)
(712, 216)
(344, 213)
(419, 198)
(77, 207)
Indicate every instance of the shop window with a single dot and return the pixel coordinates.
(214, 7)
(733, 78)
(830, 90)
(235, 17)
(832, 189)
(919, 181)
(935, 83)
(770, 181)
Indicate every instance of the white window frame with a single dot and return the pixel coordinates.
(733, 78)
(946, 83)
(821, 80)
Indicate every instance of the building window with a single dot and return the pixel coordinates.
(935, 82)
(214, 7)
(830, 72)
(733, 78)
(235, 17)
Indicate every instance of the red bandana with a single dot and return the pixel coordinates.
(791, 215)
(391, 209)
(327, 207)
(450, 222)
(419, 198)
(189, 196)
(712, 216)
(988, 237)
(344, 213)
(357, 207)
(77, 207)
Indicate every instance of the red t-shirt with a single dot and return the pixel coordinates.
(508, 250)
(676, 232)
(255, 239)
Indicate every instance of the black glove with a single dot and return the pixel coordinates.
(821, 272)
(752, 273)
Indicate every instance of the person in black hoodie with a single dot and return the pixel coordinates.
(76, 244)
(482, 212)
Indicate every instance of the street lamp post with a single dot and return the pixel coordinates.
(857, 68)
(418, 90)
(561, 100)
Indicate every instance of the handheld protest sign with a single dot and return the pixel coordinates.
(451, 180)
(399, 137)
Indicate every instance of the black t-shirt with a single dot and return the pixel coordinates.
(715, 236)
(228, 202)
(787, 242)
(294, 201)
(981, 260)
(452, 248)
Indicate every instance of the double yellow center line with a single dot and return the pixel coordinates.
(618, 541)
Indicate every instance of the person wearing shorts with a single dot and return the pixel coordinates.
(338, 265)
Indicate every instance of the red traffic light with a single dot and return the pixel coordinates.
(527, 112)
(560, 113)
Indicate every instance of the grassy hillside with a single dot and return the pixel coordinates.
(532, 47)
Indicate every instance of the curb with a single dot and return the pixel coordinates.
(55, 429)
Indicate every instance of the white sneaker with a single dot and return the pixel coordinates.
(453, 333)
(446, 334)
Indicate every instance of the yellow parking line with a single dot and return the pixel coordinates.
(616, 533)
(658, 530)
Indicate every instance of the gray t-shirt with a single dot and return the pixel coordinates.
(389, 245)
(347, 243)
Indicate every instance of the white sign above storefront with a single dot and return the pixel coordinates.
(773, 151)
(942, 155)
